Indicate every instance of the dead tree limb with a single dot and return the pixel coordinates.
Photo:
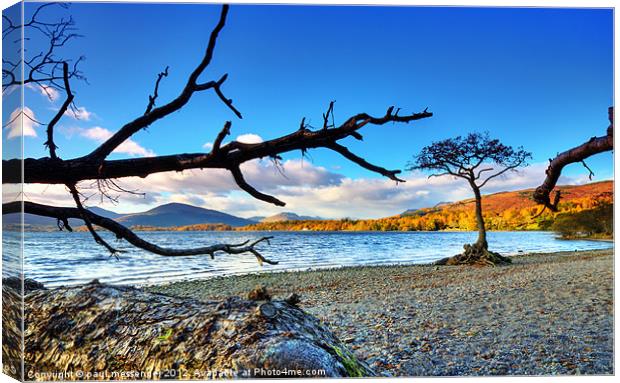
(45, 171)
(61, 111)
(594, 145)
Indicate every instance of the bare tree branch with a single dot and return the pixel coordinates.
(44, 71)
(129, 129)
(86, 218)
(238, 176)
(512, 167)
(45, 171)
(330, 110)
(43, 67)
(63, 108)
(152, 98)
(579, 153)
(391, 174)
(220, 137)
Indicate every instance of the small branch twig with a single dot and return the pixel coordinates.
(86, 218)
(241, 182)
(152, 98)
(591, 173)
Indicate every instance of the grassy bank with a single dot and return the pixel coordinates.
(545, 314)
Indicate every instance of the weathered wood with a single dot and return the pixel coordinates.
(102, 331)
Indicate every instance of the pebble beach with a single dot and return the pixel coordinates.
(546, 314)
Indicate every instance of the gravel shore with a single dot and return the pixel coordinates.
(544, 314)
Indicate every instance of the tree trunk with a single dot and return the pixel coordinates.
(478, 253)
(482, 232)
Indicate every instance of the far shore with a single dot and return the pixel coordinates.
(544, 314)
(242, 229)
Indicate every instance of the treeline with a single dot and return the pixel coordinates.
(500, 215)
(592, 223)
(196, 227)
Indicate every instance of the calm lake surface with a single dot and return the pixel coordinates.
(61, 258)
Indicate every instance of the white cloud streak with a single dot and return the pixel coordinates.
(307, 190)
(79, 113)
(46, 91)
(99, 135)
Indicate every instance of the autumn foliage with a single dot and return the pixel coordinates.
(502, 211)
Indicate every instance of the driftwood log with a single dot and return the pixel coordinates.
(98, 331)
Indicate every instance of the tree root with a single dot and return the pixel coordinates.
(475, 255)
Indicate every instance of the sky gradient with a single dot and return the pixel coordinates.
(540, 78)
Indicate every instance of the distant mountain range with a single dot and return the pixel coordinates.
(288, 216)
(178, 214)
(168, 215)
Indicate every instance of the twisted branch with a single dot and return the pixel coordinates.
(577, 154)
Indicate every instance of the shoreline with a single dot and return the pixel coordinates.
(310, 269)
(549, 313)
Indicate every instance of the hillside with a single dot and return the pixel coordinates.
(513, 210)
(288, 216)
(178, 214)
(37, 223)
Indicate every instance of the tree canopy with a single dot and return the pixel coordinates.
(462, 156)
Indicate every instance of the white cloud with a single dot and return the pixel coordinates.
(21, 123)
(306, 189)
(79, 113)
(250, 138)
(49, 92)
(99, 134)
(312, 192)
(262, 174)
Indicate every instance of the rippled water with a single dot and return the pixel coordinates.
(62, 258)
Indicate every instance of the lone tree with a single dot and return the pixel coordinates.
(478, 159)
(47, 70)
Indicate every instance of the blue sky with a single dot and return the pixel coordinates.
(541, 78)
